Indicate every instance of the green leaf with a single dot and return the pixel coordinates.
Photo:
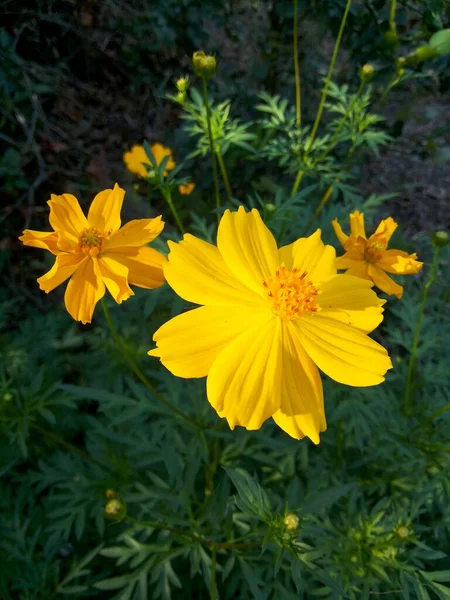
(441, 41)
(254, 499)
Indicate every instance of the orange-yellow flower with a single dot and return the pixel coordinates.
(369, 258)
(186, 189)
(136, 159)
(96, 252)
(269, 318)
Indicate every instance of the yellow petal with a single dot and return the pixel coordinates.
(384, 282)
(145, 265)
(135, 233)
(115, 277)
(399, 262)
(344, 353)
(386, 228)
(248, 248)
(352, 301)
(186, 189)
(357, 224)
(84, 290)
(341, 236)
(66, 216)
(359, 268)
(244, 381)
(64, 266)
(310, 255)
(189, 343)
(160, 152)
(300, 390)
(47, 240)
(104, 213)
(135, 161)
(198, 273)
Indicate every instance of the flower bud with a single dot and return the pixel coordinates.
(391, 38)
(401, 61)
(425, 53)
(269, 208)
(110, 494)
(291, 521)
(181, 97)
(7, 396)
(115, 509)
(440, 239)
(182, 83)
(403, 532)
(204, 65)
(367, 72)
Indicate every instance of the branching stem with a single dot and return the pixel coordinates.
(211, 143)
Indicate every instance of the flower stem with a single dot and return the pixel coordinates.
(328, 79)
(392, 24)
(137, 371)
(168, 196)
(224, 173)
(211, 142)
(319, 209)
(413, 355)
(213, 572)
(298, 112)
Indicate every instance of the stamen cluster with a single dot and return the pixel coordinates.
(291, 294)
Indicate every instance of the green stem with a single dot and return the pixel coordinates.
(297, 70)
(137, 371)
(224, 173)
(211, 143)
(392, 24)
(168, 196)
(328, 79)
(213, 572)
(413, 356)
(318, 210)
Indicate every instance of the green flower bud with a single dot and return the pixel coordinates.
(401, 61)
(182, 83)
(425, 53)
(367, 72)
(204, 65)
(7, 396)
(440, 239)
(110, 494)
(115, 509)
(181, 97)
(403, 532)
(391, 38)
(291, 521)
(270, 208)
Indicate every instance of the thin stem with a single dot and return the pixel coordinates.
(297, 71)
(168, 196)
(319, 209)
(297, 183)
(74, 449)
(211, 143)
(137, 371)
(392, 24)
(224, 173)
(413, 356)
(213, 572)
(328, 79)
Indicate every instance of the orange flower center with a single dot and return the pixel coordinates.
(374, 249)
(91, 241)
(291, 294)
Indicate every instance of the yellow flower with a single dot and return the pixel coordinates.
(186, 189)
(96, 252)
(136, 159)
(369, 258)
(269, 316)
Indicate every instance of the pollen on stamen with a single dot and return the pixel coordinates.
(291, 295)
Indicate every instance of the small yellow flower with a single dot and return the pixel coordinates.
(186, 189)
(96, 253)
(182, 83)
(269, 316)
(369, 258)
(136, 159)
(291, 521)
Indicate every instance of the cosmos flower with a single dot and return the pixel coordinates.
(96, 253)
(136, 159)
(369, 258)
(269, 318)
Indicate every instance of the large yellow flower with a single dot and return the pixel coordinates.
(269, 316)
(369, 258)
(136, 159)
(96, 252)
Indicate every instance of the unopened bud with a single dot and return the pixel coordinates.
(367, 72)
(111, 494)
(401, 61)
(391, 38)
(182, 83)
(7, 396)
(270, 208)
(204, 65)
(181, 97)
(425, 53)
(291, 521)
(115, 509)
(403, 532)
(440, 239)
